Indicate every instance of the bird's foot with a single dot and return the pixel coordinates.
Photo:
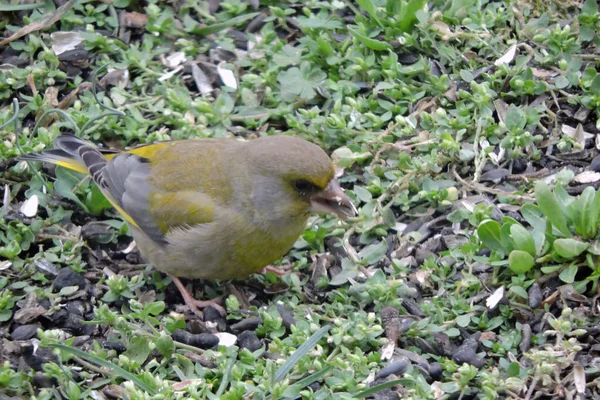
(278, 270)
(195, 305)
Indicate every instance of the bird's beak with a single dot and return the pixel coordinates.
(333, 200)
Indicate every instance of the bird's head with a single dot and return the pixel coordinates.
(294, 178)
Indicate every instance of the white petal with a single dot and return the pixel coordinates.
(508, 57)
(493, 300)
(29, 207)
(227, 77)
(226, 339)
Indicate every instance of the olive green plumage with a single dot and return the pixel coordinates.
(211, 208)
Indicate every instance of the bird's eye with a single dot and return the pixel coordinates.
(304, 186)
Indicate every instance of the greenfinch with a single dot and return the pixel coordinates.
(210, 208)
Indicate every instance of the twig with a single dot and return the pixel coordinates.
(483, 189)
(90, 366)
(531, 388)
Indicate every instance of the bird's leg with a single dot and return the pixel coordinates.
(195, 305)
(279, 271)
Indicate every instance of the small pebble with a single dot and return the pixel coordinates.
(287, 316)
(40, 380)
(211, 314)
(396, 368)
(435, 371)
(118, 347)
(535, 296)
(200, 340)
(249, 340)
(67, 277)
(248, 324)
(467, 353)
(25, 332)
(595, 165)
(526, 334)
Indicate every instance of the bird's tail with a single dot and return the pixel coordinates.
(73, 153)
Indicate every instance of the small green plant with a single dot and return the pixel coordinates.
(590, 84)
(565, 229)
(589, 21)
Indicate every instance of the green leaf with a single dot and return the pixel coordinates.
(300, 352)
(300, 82)
(373, 44)
(349, 270)
(590, 7)
(106, 364)
(585, 217)
(489, 234)
(362, 193)
(66, 180)
(309, 380)
(567, 275)
(138, 349)
(569, 248)
(369, 7)
(20, 7)
(408, 13)
(466, 75)
(165, 346)
(5, 315)
(519, 291)
(463, 320)
(534, 216)
(595, 86)
(214, 28)
(520, 261)
(154, 308)
(371, 254)
(522, 239)
(515, 119)
(550, 207)
(561, 82)
(514, 369)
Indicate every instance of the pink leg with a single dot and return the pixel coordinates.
(280, 270)
(195, 305)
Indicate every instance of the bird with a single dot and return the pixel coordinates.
(211, 208)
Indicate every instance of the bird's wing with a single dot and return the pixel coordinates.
(126, 179)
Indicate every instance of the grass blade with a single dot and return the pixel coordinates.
(300, 352)
(382, 386)
(226, 377)
(19, 7)
(107, 364)
(214, 28)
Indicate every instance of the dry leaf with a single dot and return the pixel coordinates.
(43, 23)
(65, 41)
(579, 379)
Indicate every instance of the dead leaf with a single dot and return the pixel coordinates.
(444, 30)
(43, 23)
(507, 57)
(579, 379)
(66, 101)
(134, 20)
(65, 41)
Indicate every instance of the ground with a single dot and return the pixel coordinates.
(465, 132)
